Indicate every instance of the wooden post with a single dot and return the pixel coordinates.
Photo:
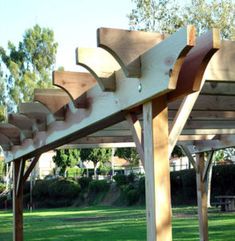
(158, 201)
(202, 197)
(17, 203)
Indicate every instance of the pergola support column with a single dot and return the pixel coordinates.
(202, 197)
(17, 202)
(158, 200)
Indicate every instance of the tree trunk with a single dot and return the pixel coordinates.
(95, 170)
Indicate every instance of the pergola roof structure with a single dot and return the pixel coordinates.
(147, 88)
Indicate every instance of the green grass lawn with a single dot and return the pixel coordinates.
(109, 223)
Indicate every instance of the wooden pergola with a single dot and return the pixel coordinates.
(147, 88)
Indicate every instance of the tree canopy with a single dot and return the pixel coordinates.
(66, 158)
(166, 16)
(130, 154)
(96, 155)
(28, 65)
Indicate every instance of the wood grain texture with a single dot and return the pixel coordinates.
(195, 63)
(74, 83)
(126, 46)
(100, 64)
(158, 200)
(221, 65)
(202, 197)
(106, 108)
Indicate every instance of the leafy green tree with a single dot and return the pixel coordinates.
(96, 155)
(130, 154)
(29, 64)
(166, 16)
(65, 158)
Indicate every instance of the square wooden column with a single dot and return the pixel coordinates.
(17, 202)
(158, 198)
(202, 197)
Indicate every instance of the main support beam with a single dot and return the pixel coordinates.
(17, 204)
(158, 201)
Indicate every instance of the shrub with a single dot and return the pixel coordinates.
(41, 189)
(64, 189)
(84, 182)
(132, 197)
(96, 186)
(120, 179)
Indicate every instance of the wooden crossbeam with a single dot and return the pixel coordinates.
(219, 142)
(100, 64)
(126, 46)
(209, 103)
(219, 88)
(74, 83)
(192, 70)
(221, 66)
(136, 130)
(30, 168)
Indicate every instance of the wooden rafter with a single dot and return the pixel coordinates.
(102, 71)
(127, 47)
(82, 122)
(75, 84)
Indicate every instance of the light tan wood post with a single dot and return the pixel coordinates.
(158, 200)
(17, 203)
(202, 197)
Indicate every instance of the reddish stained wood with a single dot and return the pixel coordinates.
(192, 70)
(74, 83)
(126, 46)
(30, 168)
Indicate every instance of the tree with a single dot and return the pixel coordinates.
(166, 16)
(96, 155)
(130, 154)
(28, 65)
(66, 158)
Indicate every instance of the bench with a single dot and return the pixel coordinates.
(226, 203)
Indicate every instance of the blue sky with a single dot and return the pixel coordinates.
(74, 22)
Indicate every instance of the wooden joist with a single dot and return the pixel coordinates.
(107, 108)
(24, 123)
(74, 83)
(127, 46)
(100, 64)
(221, 67)
(54, 99)
(12, 132)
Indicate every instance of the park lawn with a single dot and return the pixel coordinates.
(112, 223)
